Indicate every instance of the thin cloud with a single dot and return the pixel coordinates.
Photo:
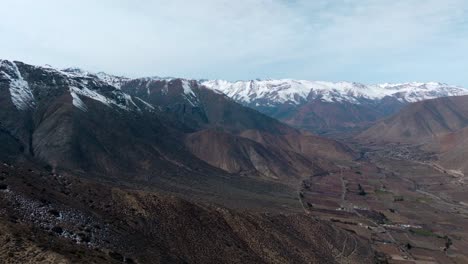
(367, 41)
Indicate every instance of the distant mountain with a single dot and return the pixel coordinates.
(324, 106)
(317, 106)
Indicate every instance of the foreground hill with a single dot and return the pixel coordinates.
(50, 218)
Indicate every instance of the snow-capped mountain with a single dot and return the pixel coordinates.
(326, 107)
(296, 92)
(314, 105)
(109, 79)
(78, 120)
(80, 84)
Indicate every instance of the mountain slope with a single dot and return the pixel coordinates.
(69, 121)
(81, 125)
(155, 132)
(325, 107)
(198, 107)
(48, 218)
(439, 126)
(97, 169)
(216, 124)
(421, 122)
(453, 149)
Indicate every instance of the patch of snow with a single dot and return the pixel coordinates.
(112, 80)
(91, 94)
(76, 92)
(145, 103)
(187, 88)
(21, 94)
(165, 89)
(129, 101)
(77, 102)
(189, 94)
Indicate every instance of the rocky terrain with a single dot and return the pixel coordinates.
(52, 218)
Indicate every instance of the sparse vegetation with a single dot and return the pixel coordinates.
(423, 232)
(382, 192)
(57, 229)
(424, 200)
(361, 190)
(448, 243)
(54, 212)
(48, 168)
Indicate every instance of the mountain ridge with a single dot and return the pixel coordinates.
(268, 92)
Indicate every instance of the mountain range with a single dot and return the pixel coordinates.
(147, 139)
(325, 107)
(318, 106)
(95, 122)
(99, 168)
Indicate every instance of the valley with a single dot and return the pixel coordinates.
(104, 169)
(410, 210)
(234, 132)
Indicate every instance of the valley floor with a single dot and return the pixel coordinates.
(411, 209)
(398, 198)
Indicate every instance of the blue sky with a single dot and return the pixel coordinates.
(369, 41)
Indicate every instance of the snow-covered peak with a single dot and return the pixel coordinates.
(189, 94)
(116, 81)
(155, 78)
(287, 91)
(280, 91)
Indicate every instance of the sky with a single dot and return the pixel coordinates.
(368, 41)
